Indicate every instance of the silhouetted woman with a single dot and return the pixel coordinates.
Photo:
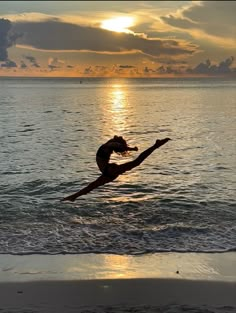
(111, 171)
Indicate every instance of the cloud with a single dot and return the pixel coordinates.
(5, 40)
(206, 68)
(88, 71)
(125, 70)
(126, 66)
(23, 65)
(168, 70)
(202, 69)
(224, 67)
(161, 70)
(147, 70)
(55, 35)
(54, 63)
(52, 67)
(32, 60)
(9, 64)
(113, 71)
(100, 67)
(214, 18)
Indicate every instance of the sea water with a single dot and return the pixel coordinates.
(182, 198)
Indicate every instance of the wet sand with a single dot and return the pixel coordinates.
(154, 283)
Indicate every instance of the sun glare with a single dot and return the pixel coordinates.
(119, 24)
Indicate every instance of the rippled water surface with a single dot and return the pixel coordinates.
(182, 198)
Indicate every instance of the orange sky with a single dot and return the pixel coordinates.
(117, 38)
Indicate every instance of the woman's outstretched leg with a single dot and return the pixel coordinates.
(130, 165)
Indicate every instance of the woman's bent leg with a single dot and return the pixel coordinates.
(101, 180)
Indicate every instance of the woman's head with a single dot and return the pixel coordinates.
(119, 139)
(123, 148)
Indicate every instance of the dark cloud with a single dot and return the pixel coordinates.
(204, 68)
(54, 63)
(52, 67)
(147, 70)
(9, 64)
(208, 68)
(56, 35)
(101, 70)
(32, 60)
(88, 70)
(97, 70)
(7, 38)
(23, 65)
(163, 70)
(126, 66)
(215, 18)
(100, 67)
(168, 70)
(5, 41)
(224, 66)
(125, 70)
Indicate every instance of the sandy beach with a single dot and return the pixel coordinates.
(119, 295)
(154, 283)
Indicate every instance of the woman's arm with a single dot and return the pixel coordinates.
(132, 148)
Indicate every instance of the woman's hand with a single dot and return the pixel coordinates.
(160, 142)
(132, 149)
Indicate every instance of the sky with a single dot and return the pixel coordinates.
(118, 38)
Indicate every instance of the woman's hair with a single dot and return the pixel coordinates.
(123, 149)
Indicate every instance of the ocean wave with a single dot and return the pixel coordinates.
(64, 252)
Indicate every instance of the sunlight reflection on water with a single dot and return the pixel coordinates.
(50, 132)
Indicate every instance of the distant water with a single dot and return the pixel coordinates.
(182, 198)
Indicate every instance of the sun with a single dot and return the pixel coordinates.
(118, 24)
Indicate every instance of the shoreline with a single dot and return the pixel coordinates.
(195, 266)
(166, 282)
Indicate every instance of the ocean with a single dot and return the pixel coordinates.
(182, 198)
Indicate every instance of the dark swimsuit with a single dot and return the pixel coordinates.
(101, 153)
